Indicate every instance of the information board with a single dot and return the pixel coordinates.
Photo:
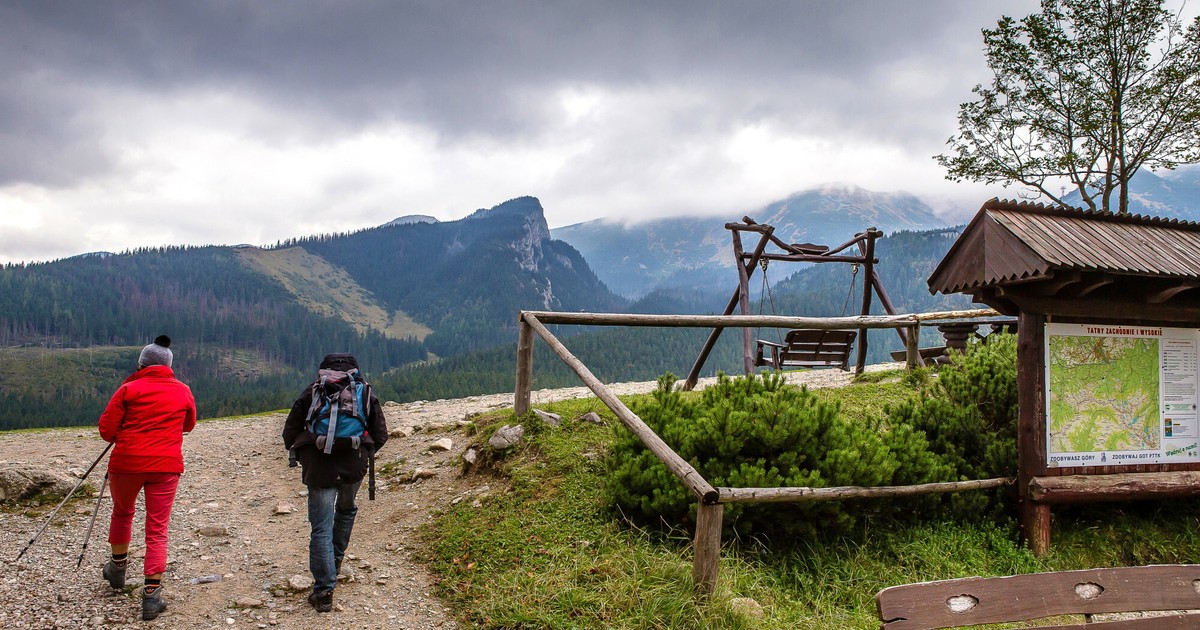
(1121, 395)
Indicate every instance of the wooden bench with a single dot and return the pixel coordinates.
(808, 348)
(975, 600)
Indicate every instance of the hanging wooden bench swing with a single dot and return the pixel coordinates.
(800, 348)
(806, 348)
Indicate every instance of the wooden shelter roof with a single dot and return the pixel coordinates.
(1019, 255)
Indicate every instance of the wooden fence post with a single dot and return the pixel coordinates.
(912, 347)
(707, 547)
(524, 367)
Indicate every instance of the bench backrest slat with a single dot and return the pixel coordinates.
(976, 600)
(817, 347)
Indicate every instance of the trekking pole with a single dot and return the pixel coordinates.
(88, 536)
(64, 501)
(371, 467)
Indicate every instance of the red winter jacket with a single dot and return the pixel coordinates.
(146, 418)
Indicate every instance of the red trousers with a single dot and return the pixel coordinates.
(160, 496)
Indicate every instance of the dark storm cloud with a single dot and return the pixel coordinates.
(479, 69)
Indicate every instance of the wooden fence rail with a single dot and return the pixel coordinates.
(795, 494)
(676, 464)
(710, 511)
(751, 321)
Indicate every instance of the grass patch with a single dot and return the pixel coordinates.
(551, 549)
(42, 503)
(865, 399)
(548, 554)
(881, 376)
(393, 468)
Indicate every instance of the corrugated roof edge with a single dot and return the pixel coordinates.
(995, 203)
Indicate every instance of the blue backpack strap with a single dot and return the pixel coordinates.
(331, 432)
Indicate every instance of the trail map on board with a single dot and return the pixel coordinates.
(1120, 395)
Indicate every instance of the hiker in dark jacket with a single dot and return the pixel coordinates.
(333, 479)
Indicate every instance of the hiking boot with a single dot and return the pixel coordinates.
(152, 604)
(115, 575)
(321, 602)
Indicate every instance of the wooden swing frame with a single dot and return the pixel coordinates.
(795, 252)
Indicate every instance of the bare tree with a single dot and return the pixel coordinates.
(1087, 92)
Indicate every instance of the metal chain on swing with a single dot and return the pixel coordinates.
(850, 291)
(767, 291)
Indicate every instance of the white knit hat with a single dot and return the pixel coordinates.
(157, 353)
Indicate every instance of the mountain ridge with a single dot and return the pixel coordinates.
(466, 279)
(1170, 194)
(392, 295)
(251, 322)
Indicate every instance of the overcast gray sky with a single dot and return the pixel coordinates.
(129, 124)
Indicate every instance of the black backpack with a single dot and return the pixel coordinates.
(338, 413)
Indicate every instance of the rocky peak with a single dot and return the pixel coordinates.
(529, 244)
(528, 208)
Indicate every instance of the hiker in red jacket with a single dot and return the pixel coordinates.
(146, 419)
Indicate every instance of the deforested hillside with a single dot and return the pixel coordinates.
(330, 291)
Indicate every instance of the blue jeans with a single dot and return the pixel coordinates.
(331, 513)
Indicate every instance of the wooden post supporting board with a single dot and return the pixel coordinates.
(524, 368)
(1031, 439)
(912, 348)
(707, 547)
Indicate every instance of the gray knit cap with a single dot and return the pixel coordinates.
(157, 353)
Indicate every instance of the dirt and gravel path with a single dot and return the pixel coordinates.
(239, 535)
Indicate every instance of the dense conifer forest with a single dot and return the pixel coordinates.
(634, 354)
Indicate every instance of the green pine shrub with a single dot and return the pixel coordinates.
(757, 431)
(968, 416)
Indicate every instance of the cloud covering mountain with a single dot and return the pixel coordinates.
(696, 252)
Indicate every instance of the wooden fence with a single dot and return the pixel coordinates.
(712, 500)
